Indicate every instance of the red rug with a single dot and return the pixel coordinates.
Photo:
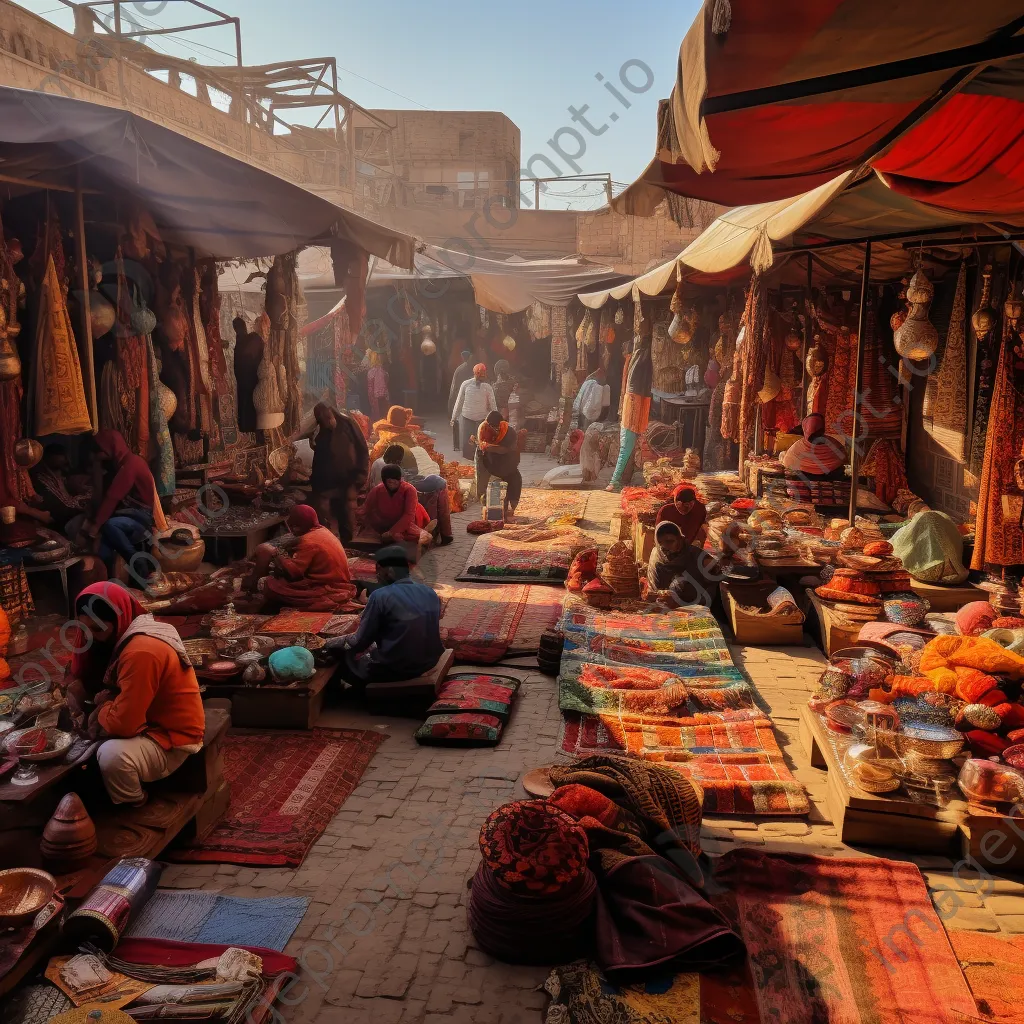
(994, 966)
(292, 620)
(855, 941)
(484, 624)
(285, 789)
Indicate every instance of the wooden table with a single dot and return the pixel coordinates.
(253, 535)
(62, 567)
(867, 819)
(277, 707)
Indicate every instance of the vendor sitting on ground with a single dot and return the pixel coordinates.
(498, 455)
(393, 510)
(432, 488)
(64, 498)
(310, 572)
(817, 455)
(679, 573)
(132, 687)
(130, 507)
(399, 634)
(687, 513)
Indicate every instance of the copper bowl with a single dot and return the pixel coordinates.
(23, 893)
(58, 743)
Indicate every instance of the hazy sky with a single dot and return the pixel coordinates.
(532, 60)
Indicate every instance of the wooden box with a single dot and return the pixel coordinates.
(281, 707)
(765, 630)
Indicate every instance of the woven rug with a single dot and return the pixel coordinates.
(537, 503)
(362, 568)
(732, 754)
(836, 939)
(994, 968)
(580, 994)
(524, 554)
(484, 624)
(195, 916)
(291, 620)
(285, 789)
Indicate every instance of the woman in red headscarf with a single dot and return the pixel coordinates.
(687, 513)
(132, 687)
(314, 575)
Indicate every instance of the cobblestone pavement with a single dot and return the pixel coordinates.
(385, 938)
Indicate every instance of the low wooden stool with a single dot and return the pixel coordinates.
(409, 698)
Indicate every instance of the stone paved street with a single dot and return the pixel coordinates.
(386, 939)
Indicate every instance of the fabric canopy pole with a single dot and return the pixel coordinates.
(865, 284)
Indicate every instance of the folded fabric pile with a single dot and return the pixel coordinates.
(533, 894)
(471, 710)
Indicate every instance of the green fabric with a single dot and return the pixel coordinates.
(931, 548)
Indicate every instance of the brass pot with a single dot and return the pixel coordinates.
(27, 452)
(10, 363)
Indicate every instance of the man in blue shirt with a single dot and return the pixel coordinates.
(399, 634)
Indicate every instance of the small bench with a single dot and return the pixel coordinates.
(409, 698)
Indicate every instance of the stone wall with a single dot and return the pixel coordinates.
(39, 56)
(632, 245)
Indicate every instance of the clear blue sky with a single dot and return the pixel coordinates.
(530, 60)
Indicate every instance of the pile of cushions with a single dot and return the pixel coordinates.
(471, 710)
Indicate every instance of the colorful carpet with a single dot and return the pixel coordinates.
(732, 754)
(291, 620)
(189, 915)
(855, 941)
(362, 568)
(484, 624)
(994, 968)
(285, 789)
(524, 554)
(580, 994)
(537, 503)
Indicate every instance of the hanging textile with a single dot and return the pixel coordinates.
(225, 406)
(881, 401)
(59, 406)
(295, 319)
(841, 382)
(755, 353)
(15, 483)
(717, 447)
(948, 425)
(355, 291)
(987, 354)
(998, 537)
(133, 376)
(162, 462)
(559, 337)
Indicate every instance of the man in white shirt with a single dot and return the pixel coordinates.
(475, 401)
(593, 398)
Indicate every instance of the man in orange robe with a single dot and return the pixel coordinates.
(149, 714)
(314, 576)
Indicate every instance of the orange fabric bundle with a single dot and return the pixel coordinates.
(910, 686)
(943, 655)
(972, 684)
(488, 436)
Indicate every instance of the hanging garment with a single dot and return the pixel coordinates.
(997, 537)
(163, 461)
(841, 383)
(60, 406)
(948, 426)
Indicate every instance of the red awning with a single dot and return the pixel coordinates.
(798, 91)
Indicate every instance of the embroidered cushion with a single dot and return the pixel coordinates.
(464, 729)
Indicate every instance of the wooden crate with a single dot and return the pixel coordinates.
(764, 630)
(281, 707)
(835, 634)
(948, 599)
(643, 542)
(866, 819)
